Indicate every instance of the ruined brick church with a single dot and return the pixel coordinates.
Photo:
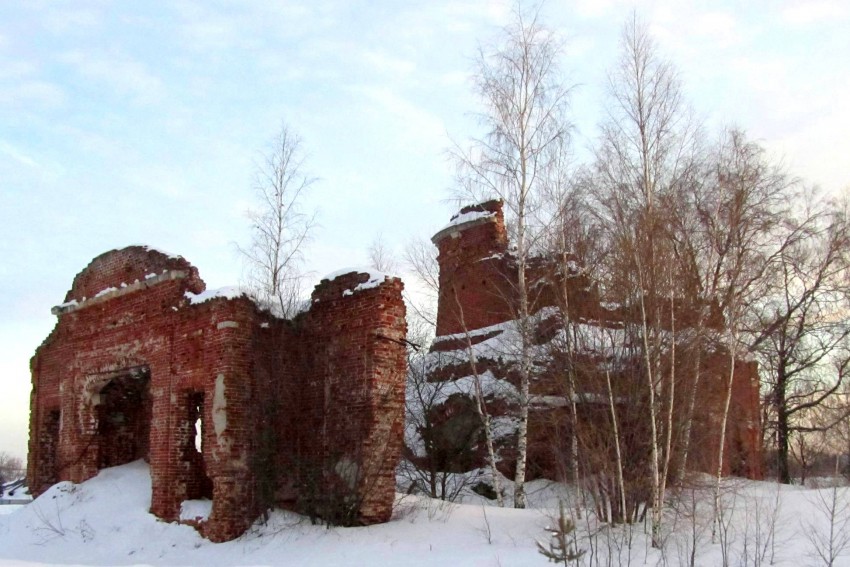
(476, 307)
(224, 400)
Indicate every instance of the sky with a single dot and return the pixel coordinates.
(144, 122)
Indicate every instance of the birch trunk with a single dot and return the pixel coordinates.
(722, 448)
(481, 408)
(657, 497)
(621, 485)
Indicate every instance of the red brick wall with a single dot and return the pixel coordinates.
(477, 283)
(128, 265)
(473, 282)
(250, 373)
(355, 393)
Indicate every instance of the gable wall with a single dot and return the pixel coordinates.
(250, 370)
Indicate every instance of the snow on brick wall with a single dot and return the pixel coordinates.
(477, 282)
(214, 394)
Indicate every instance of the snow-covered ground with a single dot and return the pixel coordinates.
(105, 522)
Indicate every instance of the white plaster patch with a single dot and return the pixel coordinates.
(227, 325)
(219, 409)
(348, 471)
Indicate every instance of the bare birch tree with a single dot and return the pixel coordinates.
(644, 157)
(480, 398)
(740, 215)
(280, 226)
(722, 231)
(381, 256)
(574, 249)
(525, 103)
(420, 259)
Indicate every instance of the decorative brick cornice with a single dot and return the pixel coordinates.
(111, 293)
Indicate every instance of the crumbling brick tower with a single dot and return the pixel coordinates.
(223, 400)
(477, 297)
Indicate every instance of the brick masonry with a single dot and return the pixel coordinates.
(477, 281)
(306, 413)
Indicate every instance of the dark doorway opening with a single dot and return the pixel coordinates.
(124, 419)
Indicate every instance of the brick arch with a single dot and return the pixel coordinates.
(127, 266)
(120, 395)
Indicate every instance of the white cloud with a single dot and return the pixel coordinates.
(810, 139)
(808, 13)
(463, 16)
(418, 123)
(248, 25)
(594, 8)
(721, 28)
(124, 75)
(385, 63)
(498, 11)
(581, 46)
(74, 19)
(454, 78)
(160, 179)
(211, 238)
(15, 69)
(32, 93)
(17, 155)
(210, 34)
(759, 73)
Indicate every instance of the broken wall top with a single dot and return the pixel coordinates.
(126, 270)
(487, 215)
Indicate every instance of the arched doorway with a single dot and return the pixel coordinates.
(124, 418)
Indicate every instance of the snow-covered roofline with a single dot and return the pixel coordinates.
(123, 288)
(376, 278)
(149, 248)
(464, 220)
(229, 292)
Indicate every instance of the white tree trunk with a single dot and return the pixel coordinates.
(621, 484)
(655, 471)
(722, 448)
(481, 408)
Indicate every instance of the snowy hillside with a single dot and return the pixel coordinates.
(105, 522)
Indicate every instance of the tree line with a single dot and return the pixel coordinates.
(700, 239)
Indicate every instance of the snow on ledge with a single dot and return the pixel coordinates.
(195, 510)
(68, 305)
(470, 218)
(463, 218)
(104, 291)
(230, 292)
(161, 251)
(122, 289)
(376, 278)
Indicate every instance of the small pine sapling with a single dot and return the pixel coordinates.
(560, 548)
